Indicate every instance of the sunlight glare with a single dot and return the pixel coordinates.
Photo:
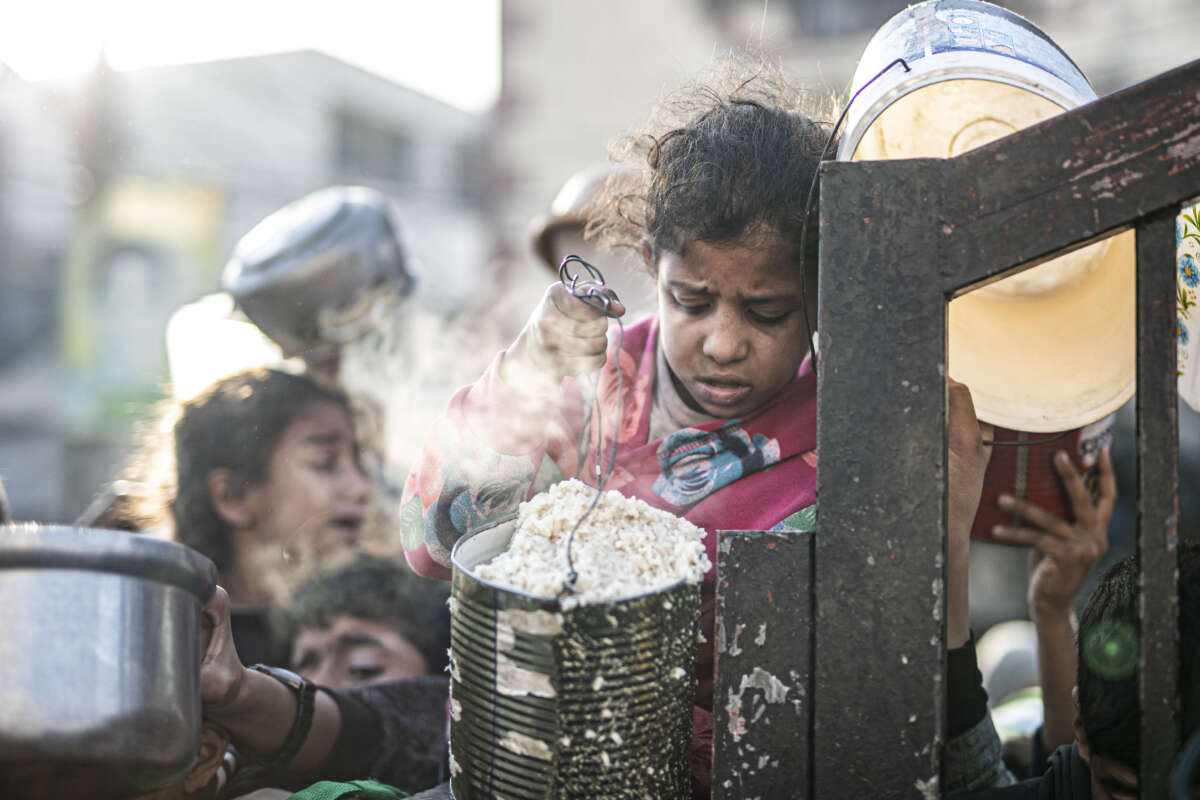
(450, 49)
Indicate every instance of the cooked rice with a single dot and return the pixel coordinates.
(624, 548)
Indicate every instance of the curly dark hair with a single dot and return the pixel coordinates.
(726, 163)
(1109, 652)
(377, 589)
(235, 424)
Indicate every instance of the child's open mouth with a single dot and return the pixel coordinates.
(349, 527)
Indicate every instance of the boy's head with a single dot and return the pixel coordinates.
(370, 621)
(1108, 725)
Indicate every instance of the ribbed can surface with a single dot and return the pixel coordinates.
(593, 701)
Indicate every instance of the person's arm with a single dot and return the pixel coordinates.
(973, 751)
(257, 710)
(968, 459)
(1063, 555)
(512, 433)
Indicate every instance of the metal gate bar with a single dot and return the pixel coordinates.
(762, 665)
(898, 240)
(1158, 498)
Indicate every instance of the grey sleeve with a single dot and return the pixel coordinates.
(974, 759)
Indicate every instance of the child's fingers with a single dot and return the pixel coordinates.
(1081, 500)
(1049, 523)
(988, 433)
(607, 298)
(1030, 537)
(574, 308)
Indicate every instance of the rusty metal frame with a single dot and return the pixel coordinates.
(899, 239)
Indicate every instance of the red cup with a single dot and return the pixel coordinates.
(1027, 472)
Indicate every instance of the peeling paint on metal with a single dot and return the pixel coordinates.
(539, 623)
(516, 681)
(524, 745)
(774, 690)
(1185, 151)
(735, 649)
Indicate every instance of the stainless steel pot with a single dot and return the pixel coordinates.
(316, 255)
(100, 651)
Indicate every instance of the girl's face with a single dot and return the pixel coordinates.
(315, 496)
(732, 324)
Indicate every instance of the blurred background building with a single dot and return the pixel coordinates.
(122, 192)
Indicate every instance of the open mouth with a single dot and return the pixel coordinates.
(348, 526)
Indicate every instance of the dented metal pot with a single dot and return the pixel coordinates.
(99, 661)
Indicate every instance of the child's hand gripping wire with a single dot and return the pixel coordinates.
(591, 292)
(566, 335)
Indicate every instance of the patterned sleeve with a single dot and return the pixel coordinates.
(493, 447)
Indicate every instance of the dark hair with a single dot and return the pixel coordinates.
(729, 163)
(379, 590)
(1109, 653)
(234, 424)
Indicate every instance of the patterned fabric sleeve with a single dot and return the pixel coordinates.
(494, 447)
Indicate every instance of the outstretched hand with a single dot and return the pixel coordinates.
(1064, 553)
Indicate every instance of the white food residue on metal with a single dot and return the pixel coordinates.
(516, 681)
(524, 745)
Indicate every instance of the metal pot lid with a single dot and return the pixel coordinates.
(32, 546)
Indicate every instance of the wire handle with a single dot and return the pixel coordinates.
(588, 290)
(592, 292)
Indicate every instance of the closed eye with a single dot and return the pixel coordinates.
(688, 305)
(365, 673)
(768, 319)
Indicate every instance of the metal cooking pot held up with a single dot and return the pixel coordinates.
(317, 255)
(99, 661)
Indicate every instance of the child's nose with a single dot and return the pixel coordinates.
(357, 485)
(724, 341)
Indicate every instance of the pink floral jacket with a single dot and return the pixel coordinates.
(497, 445)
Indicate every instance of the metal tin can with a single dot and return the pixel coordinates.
(547, 701)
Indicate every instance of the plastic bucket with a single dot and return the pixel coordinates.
(593, 701)
(977, 73)
(951, 40)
